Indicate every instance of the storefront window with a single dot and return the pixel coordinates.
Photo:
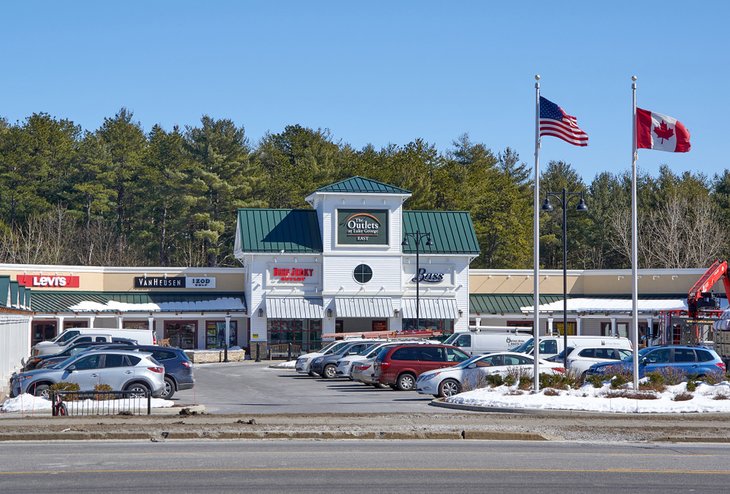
(446, 326)
(181, 334)
(303, 334)
(43, 331)
(135, 324)
(215, 334)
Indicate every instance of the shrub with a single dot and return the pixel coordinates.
(630, 394)
(673, 376)
(551, 392)
(510, 379)
(619, 380)
(568, 380)
(684, 396)
(100, 390)
(691, 385)
(525, 382)
(595, 380)
(715, 377)
(655, 381)
(495, 380)
(65, 386)
(720, 396)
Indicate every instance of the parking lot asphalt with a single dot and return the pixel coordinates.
(256, 387)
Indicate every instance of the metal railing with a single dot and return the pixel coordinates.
(80, 403)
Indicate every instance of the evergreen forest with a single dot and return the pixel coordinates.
(122, 196)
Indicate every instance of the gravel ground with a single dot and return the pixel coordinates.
(477, 425)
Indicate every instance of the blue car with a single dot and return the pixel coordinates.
(692, 361)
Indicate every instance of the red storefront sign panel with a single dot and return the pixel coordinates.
(48, 281)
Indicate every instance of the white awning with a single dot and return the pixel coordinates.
(294, 308)
(431, 308)
(611, 305)
(364, 307)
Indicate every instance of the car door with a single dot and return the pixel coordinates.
(686, 361)
(115, 371)
(654, 360)
(84, 371)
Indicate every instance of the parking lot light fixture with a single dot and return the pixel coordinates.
(564, 197)
(418, 237)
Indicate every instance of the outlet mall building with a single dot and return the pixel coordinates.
(355, 262)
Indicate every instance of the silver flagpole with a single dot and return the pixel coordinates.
(536, 243)
(634, 247)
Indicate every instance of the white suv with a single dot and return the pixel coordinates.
(581, 358)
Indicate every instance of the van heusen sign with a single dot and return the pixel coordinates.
(174, 282)
(362, 226)
(48, 281)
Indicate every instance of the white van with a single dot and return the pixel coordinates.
(486, 341)
(553, 345)
(80, 335)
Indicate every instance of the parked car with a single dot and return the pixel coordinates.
(137, 372)
(178, 368)
(580, 359)
(553, 345)
(304, 362)
(80, 335)
(345, 365)
(38, 361)
(692, 361)
(326, 365)
(400, 366)
(470, 373)
(483, 342)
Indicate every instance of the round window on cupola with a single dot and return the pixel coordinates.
(363, 273)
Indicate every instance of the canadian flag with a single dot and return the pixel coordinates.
(657, 131)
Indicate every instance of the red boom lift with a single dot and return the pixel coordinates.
(699, 295)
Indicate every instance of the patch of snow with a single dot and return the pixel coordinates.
(27, 403)
(590, 399)
(291, 364)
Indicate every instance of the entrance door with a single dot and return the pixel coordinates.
(43, 331)
(182, 334)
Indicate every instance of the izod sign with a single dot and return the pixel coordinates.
(48, 281)
(362, 226)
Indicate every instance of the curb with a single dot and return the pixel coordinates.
(71, 435)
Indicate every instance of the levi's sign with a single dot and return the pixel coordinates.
(48, 281)
(362, 226)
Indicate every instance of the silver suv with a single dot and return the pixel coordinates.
(123, 370)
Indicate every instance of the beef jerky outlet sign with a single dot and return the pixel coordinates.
(362, 227)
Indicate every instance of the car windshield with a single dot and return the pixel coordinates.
(335, 348)
(526, 347)
(450, 339)
(466, 363)
(62, 363)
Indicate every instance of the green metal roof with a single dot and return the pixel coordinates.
(505, 304)
(4, 289)
(358, 185)
(52, 301)
(498, 303)
(452, 232)
(279, 230)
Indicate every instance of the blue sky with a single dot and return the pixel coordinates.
(382, 72)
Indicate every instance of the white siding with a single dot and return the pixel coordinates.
(14, 345)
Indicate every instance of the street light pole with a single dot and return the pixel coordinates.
(564, 198)
(417, 237)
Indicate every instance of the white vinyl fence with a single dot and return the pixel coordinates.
(14, 345)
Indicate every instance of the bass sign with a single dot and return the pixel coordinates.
(428, 277)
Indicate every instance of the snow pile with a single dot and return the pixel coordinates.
(291, 364)
(590, 399)
(28, 403)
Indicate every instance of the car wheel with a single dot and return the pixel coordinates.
(329, 371)
(169, 389)
(449, 387)
(406, 382)
(138, 390)
(42, 391)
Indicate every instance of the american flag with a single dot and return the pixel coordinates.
(555, 122)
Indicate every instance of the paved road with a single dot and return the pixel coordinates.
(361, 466)
(250, 387)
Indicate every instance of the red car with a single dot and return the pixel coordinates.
(400, 366)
